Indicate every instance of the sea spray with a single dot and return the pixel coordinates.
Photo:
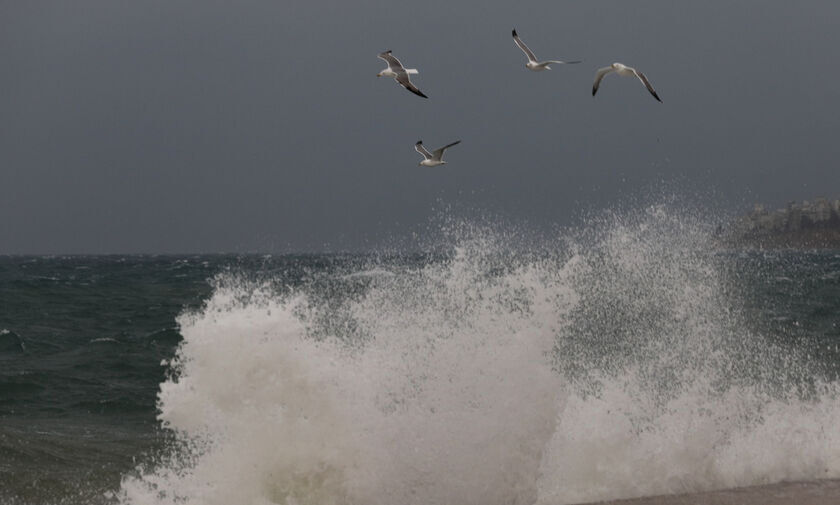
(253, 403)
(613, 362)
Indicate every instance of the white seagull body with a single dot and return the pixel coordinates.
(626, 71)
(533, 64)
(399, 73)
(434, 158)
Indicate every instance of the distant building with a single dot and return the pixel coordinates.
(808, 224)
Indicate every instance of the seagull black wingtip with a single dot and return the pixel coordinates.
(514, 32)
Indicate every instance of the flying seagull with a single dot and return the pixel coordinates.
(624, 70)
(533, 64)
(434, 158)
(399, 73)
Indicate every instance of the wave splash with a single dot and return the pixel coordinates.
(612, 364)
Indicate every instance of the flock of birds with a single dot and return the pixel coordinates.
(399, 73)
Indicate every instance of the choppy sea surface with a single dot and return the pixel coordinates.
(626, 358)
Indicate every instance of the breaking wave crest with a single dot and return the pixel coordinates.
(613, 362)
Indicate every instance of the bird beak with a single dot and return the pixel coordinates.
(379, 74)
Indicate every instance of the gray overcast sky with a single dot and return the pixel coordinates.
(208, 126)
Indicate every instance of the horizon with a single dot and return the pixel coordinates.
(417, 245)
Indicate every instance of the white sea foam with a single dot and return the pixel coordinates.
(615, 367)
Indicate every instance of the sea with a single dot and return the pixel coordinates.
(630, 356)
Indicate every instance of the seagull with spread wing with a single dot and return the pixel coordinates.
(626, 71)
(434, 158)
(399, 73)
(533, 64)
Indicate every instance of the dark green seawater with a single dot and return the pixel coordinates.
(83, 338)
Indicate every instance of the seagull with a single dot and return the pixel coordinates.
(399, 73)
(624, 70)
(533, 64)
(435, 158)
